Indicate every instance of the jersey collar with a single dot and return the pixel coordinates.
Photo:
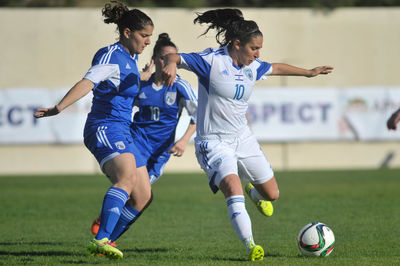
(230, 58)
(134, 57)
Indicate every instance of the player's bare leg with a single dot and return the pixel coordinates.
(263, 194)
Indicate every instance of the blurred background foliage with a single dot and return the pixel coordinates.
(205, 3)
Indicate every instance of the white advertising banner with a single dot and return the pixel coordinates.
(275, 115)
(299, 114)
(18, 126)
(283, 114)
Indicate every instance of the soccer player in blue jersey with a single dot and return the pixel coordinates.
(226, 149)
(160, 108)
(154, 125)
(114, 78)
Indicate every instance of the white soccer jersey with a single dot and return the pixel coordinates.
(224, 90)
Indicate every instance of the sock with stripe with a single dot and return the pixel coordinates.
(128, 216)
(240, 219)
(113, 202)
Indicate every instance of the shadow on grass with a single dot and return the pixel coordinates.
(228, 259)
(22, 243)
(35, 253)
(266, 256)
(146, 250)
(76, 262)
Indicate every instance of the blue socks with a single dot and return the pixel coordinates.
(113, 204)
(128, 217)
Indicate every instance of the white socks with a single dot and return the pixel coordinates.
(240, 219)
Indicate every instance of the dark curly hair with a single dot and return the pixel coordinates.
(118, 13)
(229, 24)
(163, 41)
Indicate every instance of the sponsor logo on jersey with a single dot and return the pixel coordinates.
(170, 97)
(142, 96)
(248, 73)
(120, 145)
(128, 66)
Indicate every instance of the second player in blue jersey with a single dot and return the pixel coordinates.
(160, 108)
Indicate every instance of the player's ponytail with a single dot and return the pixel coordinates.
(162, 41)
(229, 24)
(119, 14)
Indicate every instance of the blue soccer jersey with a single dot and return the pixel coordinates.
(116, 77)
(155, 123)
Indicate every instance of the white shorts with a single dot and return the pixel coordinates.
(241, 155)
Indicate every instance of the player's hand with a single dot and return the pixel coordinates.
(178, 149)
(43, 112)
(145, 74)
(321, 70)
(393, 120)
(169, 74)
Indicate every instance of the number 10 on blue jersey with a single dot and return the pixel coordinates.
(239, 92)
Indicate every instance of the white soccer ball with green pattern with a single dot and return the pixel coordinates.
(316, 239)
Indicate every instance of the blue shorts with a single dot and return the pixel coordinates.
(155, 162)
(155, 166)
(110, 139)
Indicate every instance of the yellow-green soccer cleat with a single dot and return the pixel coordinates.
(264, 206)
(256, 252)
(103, 247)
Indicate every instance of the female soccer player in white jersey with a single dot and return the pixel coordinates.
(225, 148)
(114, 79)
(154, 125)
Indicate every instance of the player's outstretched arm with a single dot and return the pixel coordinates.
(393, 120)
(169, 70)
(289, 70)
(79, 90)
(180, 146)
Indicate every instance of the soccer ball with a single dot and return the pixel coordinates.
(316, 239)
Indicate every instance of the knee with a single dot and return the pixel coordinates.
(129, 182)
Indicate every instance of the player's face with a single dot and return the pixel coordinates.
(250, 51)
(138, 40)
(159, 60)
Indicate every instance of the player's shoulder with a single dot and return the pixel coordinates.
(109, 54)
(145, 84)
(179, 81)
(213, 51)
(258, 63)
(184, 87)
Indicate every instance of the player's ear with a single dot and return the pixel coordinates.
(236, 44)
(126, 32)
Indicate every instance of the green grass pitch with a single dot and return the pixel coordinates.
(45, 220)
